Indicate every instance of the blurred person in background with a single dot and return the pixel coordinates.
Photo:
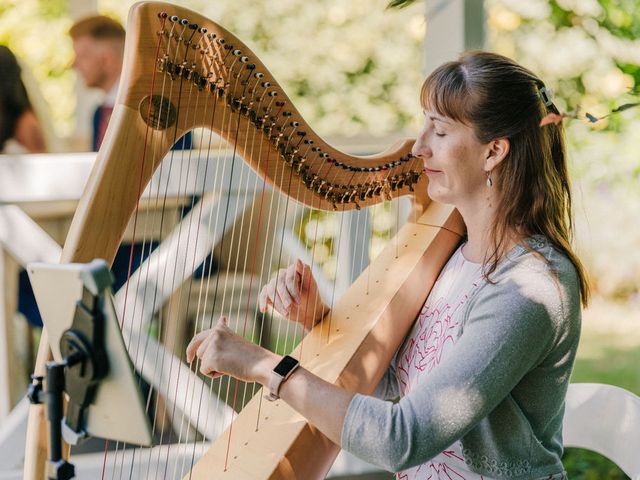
(20, 130)
(98, 44)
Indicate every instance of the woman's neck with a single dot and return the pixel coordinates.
(479, 221)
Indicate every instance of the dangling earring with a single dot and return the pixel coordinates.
(489, 181)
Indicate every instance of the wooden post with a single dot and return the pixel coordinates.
(453, 26)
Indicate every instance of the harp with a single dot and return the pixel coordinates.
(181, 72)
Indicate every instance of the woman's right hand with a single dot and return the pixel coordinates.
(294, 294)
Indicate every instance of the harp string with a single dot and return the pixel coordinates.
(181, 292)
(256, 240)
(236, 382)
(218, 276)
(201, 306)
(236, 259)
(184, 422)
(279, 179)
(134, 229)
(155, 293)
(190, 277)
(226, 213)
(200, 324)
(154, 203)
(292, 325)
(323, 161)
(161, 313)
(281, 320)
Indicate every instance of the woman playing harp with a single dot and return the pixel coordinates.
(483, 374)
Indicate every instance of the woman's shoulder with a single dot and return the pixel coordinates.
(541, 260)
(536, 273)
(533, 292)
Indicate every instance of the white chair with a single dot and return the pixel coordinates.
(606, 420)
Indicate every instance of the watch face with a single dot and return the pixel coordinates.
(286, 364)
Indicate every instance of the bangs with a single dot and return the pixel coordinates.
(445, 91)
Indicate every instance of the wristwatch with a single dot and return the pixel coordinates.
(279, 374)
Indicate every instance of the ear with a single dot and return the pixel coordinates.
(497, 150)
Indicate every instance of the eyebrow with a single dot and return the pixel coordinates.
(440, 119)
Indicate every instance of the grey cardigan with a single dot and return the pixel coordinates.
(501, 388)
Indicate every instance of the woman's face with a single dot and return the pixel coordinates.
(453, 159)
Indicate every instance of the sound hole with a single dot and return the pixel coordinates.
(162, 113)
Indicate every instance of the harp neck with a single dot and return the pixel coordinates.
(183, 71)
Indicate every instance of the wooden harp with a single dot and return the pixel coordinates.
(181, 72)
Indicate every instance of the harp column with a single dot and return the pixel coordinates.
(453, 26)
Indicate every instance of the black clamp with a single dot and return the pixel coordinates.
(35, 390)
(84, 365)
(85, 358)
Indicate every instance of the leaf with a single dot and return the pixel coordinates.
(626, 106)
(400, 3)
(591, 118)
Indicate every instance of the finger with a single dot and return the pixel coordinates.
(269, 294)
(282, 293)
(292, 282)
(206, 369)
(299, 266)
(195, 343)
(204, 346)
(305, 273)
(279, 306)
(263, 301)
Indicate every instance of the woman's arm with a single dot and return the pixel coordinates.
(220, 351)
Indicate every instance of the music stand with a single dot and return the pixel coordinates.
(91, 363)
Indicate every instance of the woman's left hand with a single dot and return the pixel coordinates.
(221, 351)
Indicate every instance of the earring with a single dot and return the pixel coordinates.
(489, 181)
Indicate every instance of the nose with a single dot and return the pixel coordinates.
(420, 147)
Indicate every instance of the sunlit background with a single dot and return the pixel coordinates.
(354, 70)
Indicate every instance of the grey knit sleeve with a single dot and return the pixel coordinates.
(388, 388)
(511, 327)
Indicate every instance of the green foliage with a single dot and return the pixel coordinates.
(338, 61)
(36, 31)
(53, 9)
(400, 3)
(588, 52)
(352, 68)
(583, 464)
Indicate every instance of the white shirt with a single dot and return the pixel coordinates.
(435, 331)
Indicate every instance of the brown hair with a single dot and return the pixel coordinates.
(98, 27)
(500, 99)
(14, 101)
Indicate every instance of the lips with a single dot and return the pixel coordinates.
(430, 170)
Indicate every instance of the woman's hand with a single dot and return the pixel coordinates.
(294, 294)
(221, 351)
